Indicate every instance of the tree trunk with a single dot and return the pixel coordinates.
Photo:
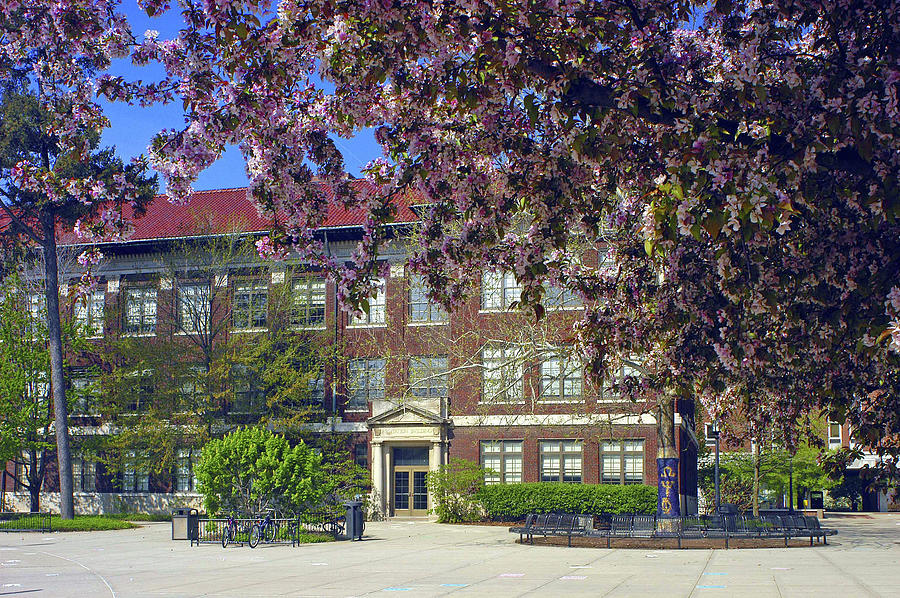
(756, 470)
(57, 380)
(668, 502)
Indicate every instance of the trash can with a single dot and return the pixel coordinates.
(186, 525)
(354, 523)
(180, 524)
(817, 499)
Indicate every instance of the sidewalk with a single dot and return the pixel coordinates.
(419, 558)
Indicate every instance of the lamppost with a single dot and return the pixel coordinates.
(791, 484)
(715, 432)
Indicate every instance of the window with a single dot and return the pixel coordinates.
(185, 481)
(376, 314)
(89, 312)
(361, 455)
(309, 301)
(502, 374)
(140, 311)
(608, 390)
(421, 308)
(141, 390)
(194, 307)
(561, 461)
(622, 462)
(560, 297)
(250, 308)
(366, 382)
(835, 439)
(37, 312)
(84, 474)
(504, 459)
(428, 377)
(135, 477)
(499, 291)
(561, 377)
(316, 391)
(86, 392)
(192, 379)
(248, 397)
(709, 430)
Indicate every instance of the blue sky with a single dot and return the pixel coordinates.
(132, 127)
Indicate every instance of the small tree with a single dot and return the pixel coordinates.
(455, 487)
(26, 405)
(252, 469)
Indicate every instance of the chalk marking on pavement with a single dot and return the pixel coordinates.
(711, 587)
(581, 567)
(512, 575)
(396, 590)
(574, 577)
(454, 585)
(715, 574)
(86, 568)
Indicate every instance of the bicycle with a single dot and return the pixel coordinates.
(230, 531)
(264, 529)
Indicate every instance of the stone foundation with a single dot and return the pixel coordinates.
(99, 503)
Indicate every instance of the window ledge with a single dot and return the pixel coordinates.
(499, 403)
(248, 330)
(310, 327)
(381, 325)
(564, 308)
(558, 401)
(356, 410)
(418, 324)
(139, 334)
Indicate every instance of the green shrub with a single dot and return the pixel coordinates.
(252, 469)
(455, 487)
(509, 502)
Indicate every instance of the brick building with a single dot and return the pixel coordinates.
(415, 386)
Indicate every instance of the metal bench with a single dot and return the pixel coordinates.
(554, 524)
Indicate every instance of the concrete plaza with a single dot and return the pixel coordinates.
(417, 558)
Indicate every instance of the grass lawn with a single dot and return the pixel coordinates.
(88, 523)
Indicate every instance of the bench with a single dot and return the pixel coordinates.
(725, 526)
(554, 524)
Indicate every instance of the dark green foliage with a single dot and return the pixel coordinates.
(510, 502)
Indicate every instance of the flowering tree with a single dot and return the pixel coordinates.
(747, 154)
(52, 177)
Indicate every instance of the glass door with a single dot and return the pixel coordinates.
(410, 490)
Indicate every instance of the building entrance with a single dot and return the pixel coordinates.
(410, 491)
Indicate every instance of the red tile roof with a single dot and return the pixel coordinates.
(229, 210)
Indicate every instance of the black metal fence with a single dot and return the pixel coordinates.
(25, 522)
(281, 530)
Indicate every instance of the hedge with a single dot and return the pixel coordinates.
(510, 502)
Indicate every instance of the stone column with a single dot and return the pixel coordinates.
(434, 459)
(378, 476)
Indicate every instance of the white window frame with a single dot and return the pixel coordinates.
(377, 314)
(503, 370)
(89, 312)
(622, 461)
(194, 307)
(564, 457)
(246, 318)
(835, 441)
(140, 311)
(365, 382)
(423, 310)
(429, 376)
(504, 459)
(308, 294)
(562, 377)
(499, 290)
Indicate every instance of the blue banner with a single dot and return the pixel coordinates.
(667, 504)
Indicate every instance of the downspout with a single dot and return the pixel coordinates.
(334, 366)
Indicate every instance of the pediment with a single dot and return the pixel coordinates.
(406, 415)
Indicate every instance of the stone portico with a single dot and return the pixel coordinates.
(408, 440)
